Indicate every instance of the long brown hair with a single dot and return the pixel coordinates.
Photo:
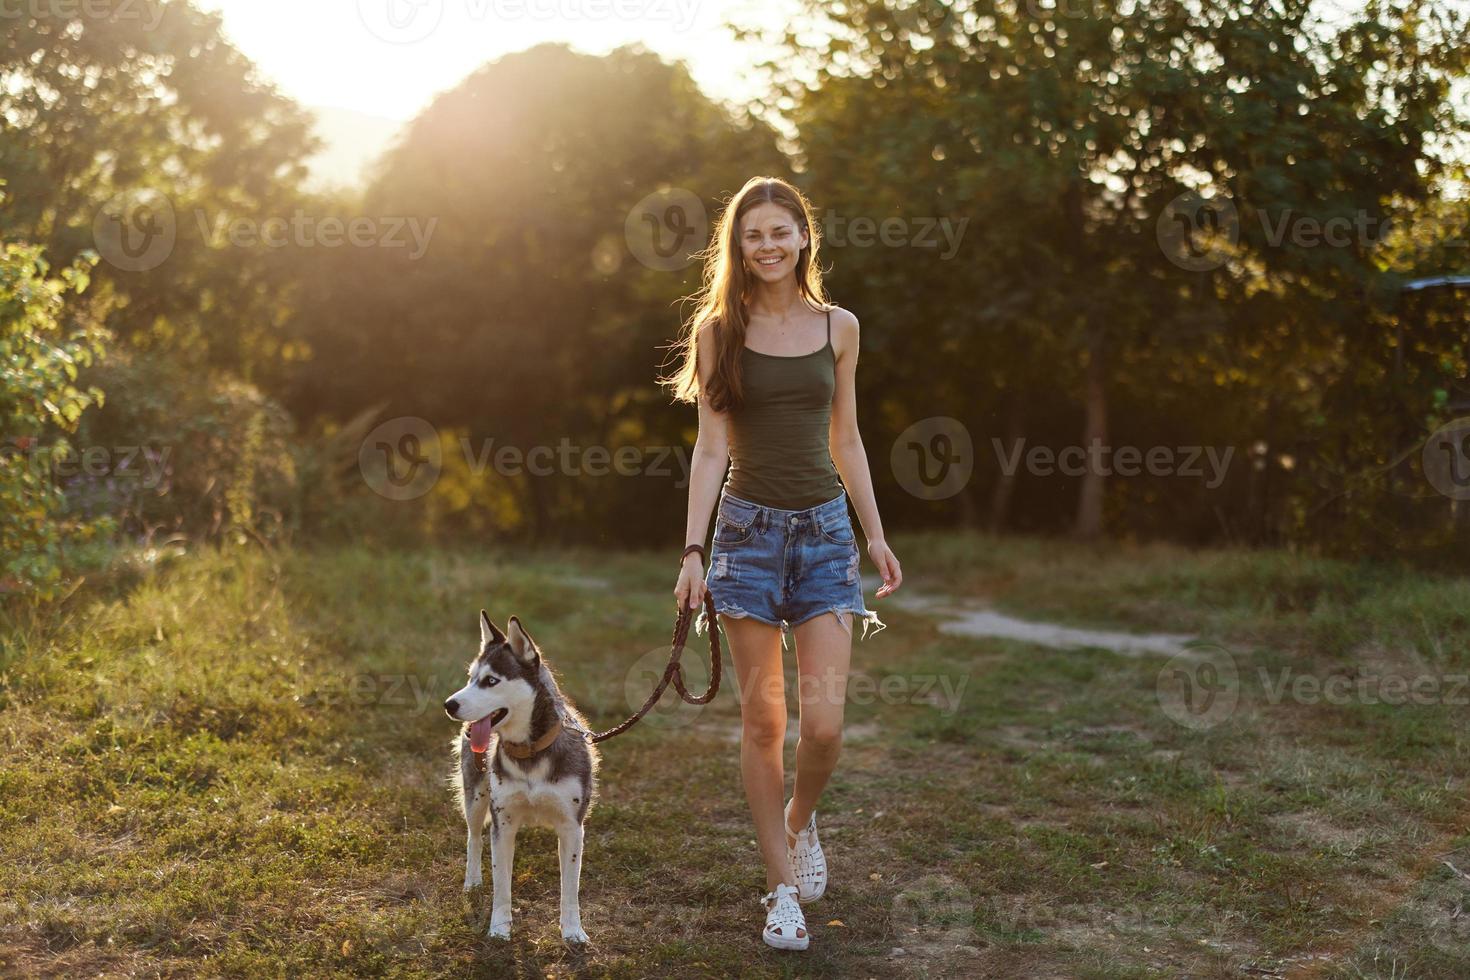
(725, 297)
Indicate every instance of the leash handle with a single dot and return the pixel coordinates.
(674, 671)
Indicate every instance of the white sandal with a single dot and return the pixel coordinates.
(785, 924)
(807, 860)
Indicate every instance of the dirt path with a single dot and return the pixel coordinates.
(967, 616)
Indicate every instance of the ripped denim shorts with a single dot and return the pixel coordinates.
(785, 567)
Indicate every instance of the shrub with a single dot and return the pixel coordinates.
(209, 455)
(44, 341)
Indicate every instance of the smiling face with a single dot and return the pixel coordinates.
(771, 240)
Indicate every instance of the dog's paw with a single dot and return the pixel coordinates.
(499, 930)
(470, 884)
(575, 935)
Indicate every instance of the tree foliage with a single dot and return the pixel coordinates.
(1073, 139)
(110, 99)
(528, 319)
(1137, 223)
(43, 346)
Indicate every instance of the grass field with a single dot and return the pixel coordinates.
(235, 764)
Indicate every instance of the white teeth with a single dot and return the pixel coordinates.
(768, 261)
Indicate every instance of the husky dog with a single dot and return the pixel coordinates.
(522, 759)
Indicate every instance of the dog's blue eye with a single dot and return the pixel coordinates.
(489, 682)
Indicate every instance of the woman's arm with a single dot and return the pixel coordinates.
(848, 454)
(707, 469)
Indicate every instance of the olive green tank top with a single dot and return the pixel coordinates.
(779, 449)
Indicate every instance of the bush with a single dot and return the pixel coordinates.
(195, 452)
(44, 341)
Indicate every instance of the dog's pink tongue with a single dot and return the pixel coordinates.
(480, 735)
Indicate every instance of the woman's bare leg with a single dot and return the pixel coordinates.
(823, 658)
(755, 648)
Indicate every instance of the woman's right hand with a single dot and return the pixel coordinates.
(690, 587)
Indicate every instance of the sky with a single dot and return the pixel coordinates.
(390, 58)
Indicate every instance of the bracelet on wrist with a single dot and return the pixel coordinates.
(692, 548)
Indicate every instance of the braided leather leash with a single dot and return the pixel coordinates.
(675, 671)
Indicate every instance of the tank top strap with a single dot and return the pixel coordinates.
(829, 326)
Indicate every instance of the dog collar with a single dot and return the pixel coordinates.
(523, 750)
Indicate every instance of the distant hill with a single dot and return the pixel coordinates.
(353, 141)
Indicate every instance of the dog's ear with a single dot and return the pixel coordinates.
(521, 643)
(489, 633)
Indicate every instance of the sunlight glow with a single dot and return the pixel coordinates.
(389, 58)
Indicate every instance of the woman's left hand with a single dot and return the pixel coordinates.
(888, 567)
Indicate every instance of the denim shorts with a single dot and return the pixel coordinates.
(785, 567)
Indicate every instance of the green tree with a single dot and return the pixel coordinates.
(1074, 136)
(529, 318)
(110, 102)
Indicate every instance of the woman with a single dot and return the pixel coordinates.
(771, 365)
